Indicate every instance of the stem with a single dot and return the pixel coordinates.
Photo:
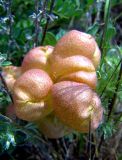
(48, 20)
(36, 23)
(103, 39)
(111, 77)
(37, 20)
(112, 103)
(89, 140)
(106, 18)
(5, 86)
(101, 142)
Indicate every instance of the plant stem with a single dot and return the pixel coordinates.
(106, 18)
(48, 20)
(101, 142)
(37, 20)
(112, 102)
(36, 23)
(110, 77)
(5, 86)
(89, 140)
(103, 39)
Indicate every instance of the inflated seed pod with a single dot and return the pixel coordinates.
(76, 105)
(78, 43)
(10, 74)
(52, 128)
(36, 58)
(31, 92)
(75, 57)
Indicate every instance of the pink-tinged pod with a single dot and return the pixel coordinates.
(52, 127)
(10, 74)
(37, 58)
(31, 93)
(75, 54)
(75, 68)
(88, 78)
(76, 105)
(77, 43)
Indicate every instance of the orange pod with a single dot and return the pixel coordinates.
(37, 58)
(31, 93)
(76, 105)
(75, 58)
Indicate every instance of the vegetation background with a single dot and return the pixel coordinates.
(25, 24)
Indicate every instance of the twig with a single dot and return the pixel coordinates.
(5, 86)
(48, 20)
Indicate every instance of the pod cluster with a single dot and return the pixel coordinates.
(55, 86)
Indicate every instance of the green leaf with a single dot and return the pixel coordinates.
(78, 3)
(6, 63)
(60, 33)
(111, 31)
(50, 39)
(93, 29)
(4, 119)
(7, 139)
(90, 2)
(3, 57)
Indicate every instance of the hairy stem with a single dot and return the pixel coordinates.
(112, 102)
(110, 77)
